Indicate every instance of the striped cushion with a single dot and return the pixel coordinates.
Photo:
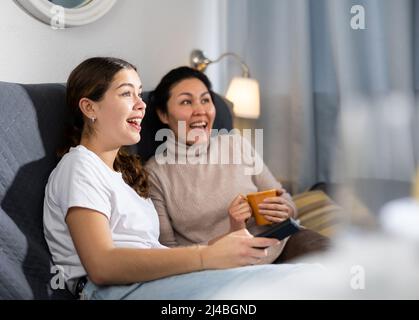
(316, 211)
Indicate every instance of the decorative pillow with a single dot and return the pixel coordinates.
(316, 211)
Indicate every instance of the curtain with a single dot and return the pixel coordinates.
(337, 102)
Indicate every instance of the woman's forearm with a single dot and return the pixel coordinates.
(129, 265)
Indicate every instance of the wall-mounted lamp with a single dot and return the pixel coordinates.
(242, 91)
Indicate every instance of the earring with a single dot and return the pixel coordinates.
(93, 119)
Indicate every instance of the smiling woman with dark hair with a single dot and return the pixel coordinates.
(202, 200)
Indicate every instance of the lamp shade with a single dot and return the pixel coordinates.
(244, 93)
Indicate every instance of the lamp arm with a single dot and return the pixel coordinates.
(245, 68)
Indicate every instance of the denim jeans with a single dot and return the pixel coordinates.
(236, 283)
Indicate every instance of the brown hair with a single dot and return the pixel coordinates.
(91, 79)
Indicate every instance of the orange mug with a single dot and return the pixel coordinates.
(257, 197)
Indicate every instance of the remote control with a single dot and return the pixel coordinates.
(282, 230)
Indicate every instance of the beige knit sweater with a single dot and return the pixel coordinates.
(192, 200)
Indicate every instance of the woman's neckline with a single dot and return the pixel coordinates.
(116, 173)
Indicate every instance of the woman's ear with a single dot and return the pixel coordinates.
(163, 117)
(87, 108)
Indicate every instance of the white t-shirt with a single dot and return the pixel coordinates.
(82, 179)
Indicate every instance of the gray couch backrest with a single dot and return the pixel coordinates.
(32, 118)
(32, 121)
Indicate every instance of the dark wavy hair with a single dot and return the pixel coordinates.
(160, 95)
(91, 79)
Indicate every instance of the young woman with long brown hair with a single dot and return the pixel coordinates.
(100, 225)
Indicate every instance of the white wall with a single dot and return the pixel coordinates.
(155, 35)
